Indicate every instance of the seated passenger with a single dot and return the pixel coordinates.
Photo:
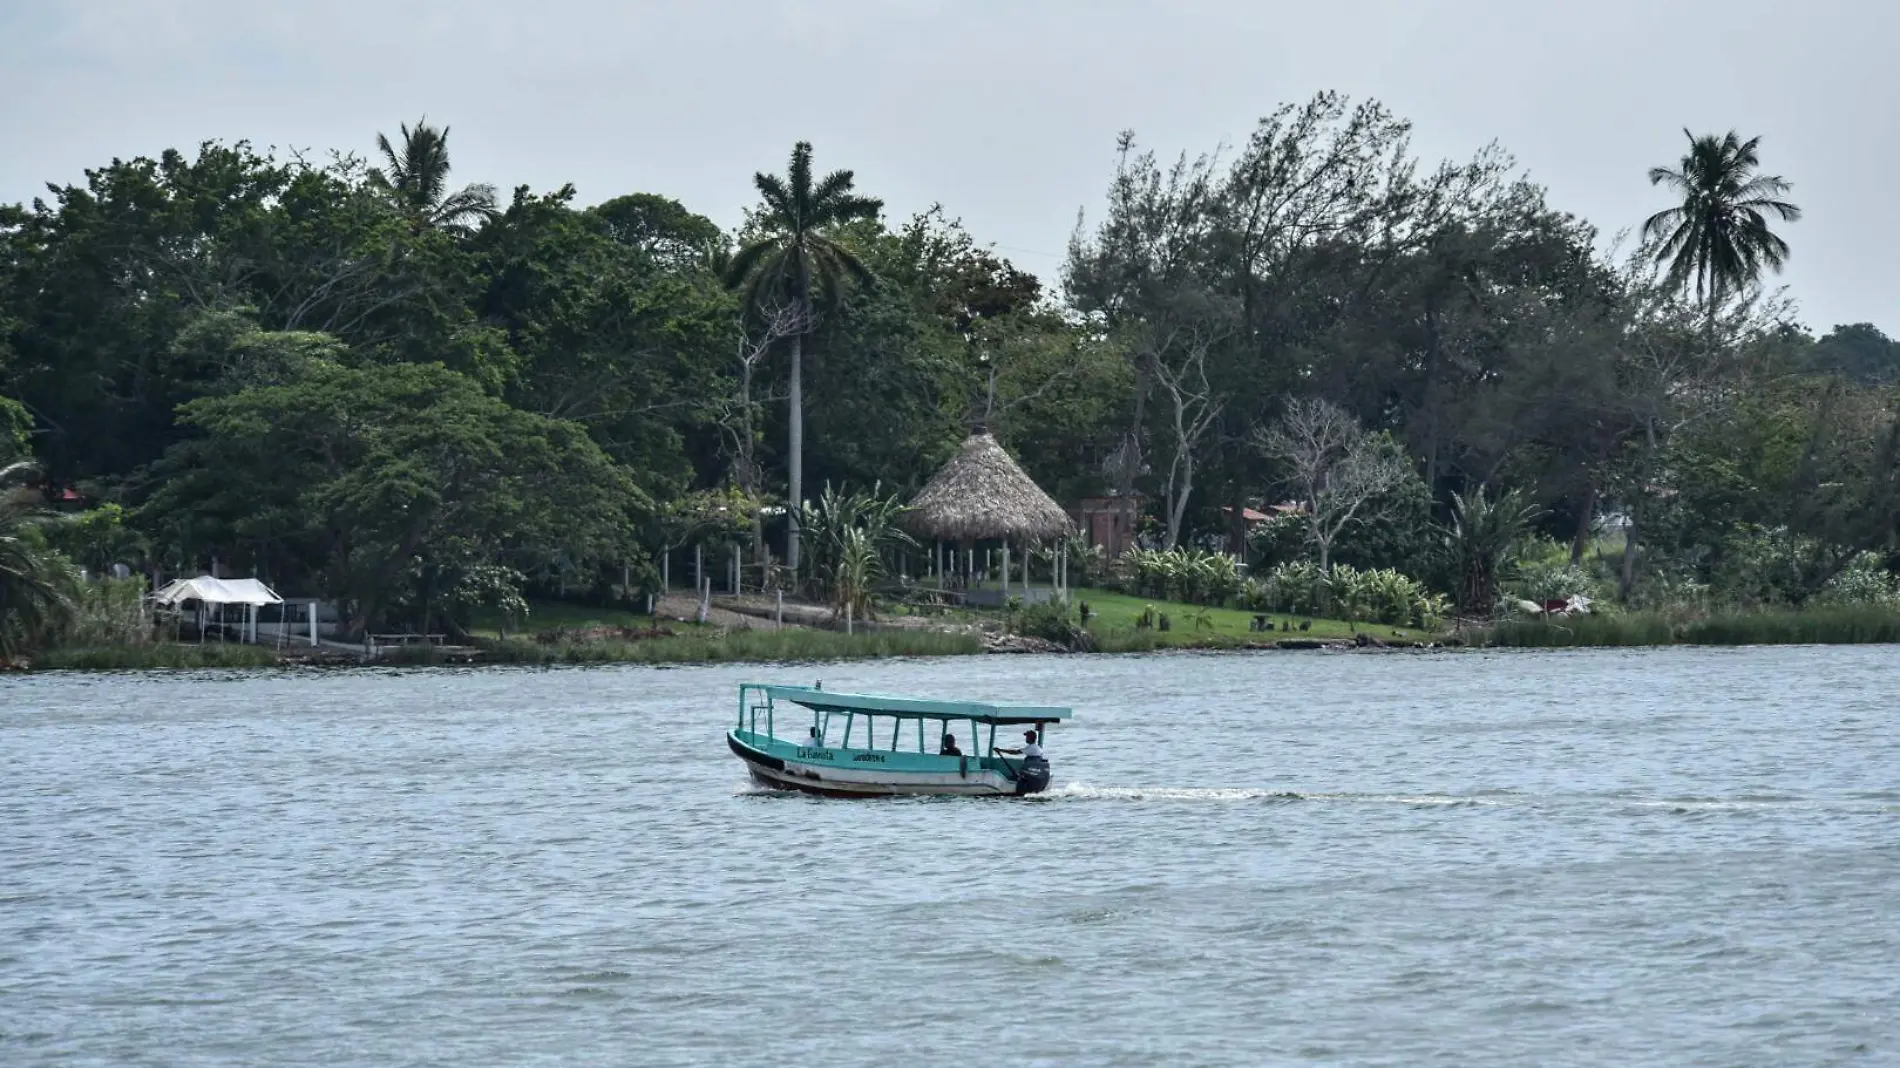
(813, 741)
(949, 747)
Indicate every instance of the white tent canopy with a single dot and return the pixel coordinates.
(210, 590)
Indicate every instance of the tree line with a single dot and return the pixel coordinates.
(356, 379)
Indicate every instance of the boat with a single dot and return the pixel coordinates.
(834, 751)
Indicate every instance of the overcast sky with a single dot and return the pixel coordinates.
(1006, 111)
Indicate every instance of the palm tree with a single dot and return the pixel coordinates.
(794, 255)
(1482, 534)
(1719, 236)
(33, 597)
(417, 179)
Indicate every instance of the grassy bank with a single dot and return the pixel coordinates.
(149, 657)
(1848, 625)
(1113, 616)
(731, 647)
(558, 615)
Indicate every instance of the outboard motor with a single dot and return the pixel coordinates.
(1033, 776)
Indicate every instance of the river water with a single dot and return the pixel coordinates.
(1650, 857)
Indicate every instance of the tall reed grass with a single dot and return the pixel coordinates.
(1838, 625)
(731, 647)
(153, 656)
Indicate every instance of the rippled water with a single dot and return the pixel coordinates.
(1659, 857)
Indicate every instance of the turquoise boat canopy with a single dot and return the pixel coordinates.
(913, 707)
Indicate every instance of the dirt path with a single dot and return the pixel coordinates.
(685, 608)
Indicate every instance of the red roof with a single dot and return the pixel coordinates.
(1248, 514)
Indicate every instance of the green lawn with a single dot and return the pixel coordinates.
(1112, 617)
(554, 615)
(1115, 613)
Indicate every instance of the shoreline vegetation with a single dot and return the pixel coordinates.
(1821, 625)
(1315, 393)
(1842, 625)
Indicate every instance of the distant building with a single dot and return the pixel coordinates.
(1110, 522)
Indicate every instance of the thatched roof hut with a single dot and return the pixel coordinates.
(981, 494)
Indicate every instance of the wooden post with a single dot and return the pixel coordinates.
(986, 565)
(313, 622)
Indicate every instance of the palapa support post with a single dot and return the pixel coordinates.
(986, 565)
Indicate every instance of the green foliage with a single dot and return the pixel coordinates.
(1382, 595)
(1718, 237)
(1053, 621)
(15, 425)
(847, 536)
(36, 583)
(1864, 582)
(1558, 579)
(1278, 539)
(416, 181)
(158, 656)
(1480, 539)
(1834, 625)
(98, 538)
(108, 613)
(390, 477)
(1859, 352)
(1455, 320)
(1373, 595)
(1300, 588)
(1195, 576)
(780, 646)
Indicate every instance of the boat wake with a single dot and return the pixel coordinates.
(1486, 799)
(1086, 792)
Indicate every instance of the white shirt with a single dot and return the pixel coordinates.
(1031, 749)
(814, 742)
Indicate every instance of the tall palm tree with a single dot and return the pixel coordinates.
(1482, 533)
(33, 587)
(417, 179)
(794, 261)
(1719, 236)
